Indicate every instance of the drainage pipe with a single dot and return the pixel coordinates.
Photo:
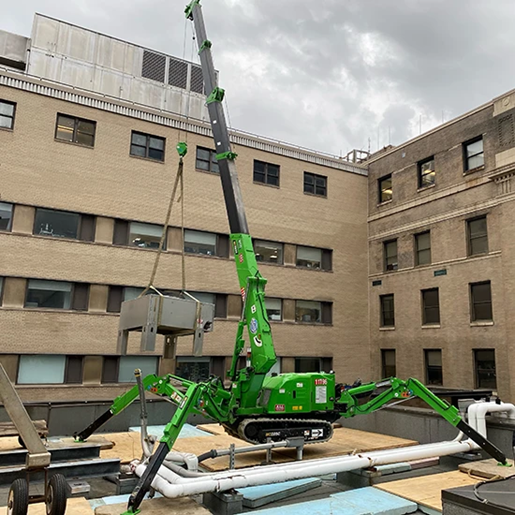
(477, 413)
(172, 485)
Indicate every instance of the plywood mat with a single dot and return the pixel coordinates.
(345, 441)
(427, 490)
(74, 506)
(161, 506)
(487, 469)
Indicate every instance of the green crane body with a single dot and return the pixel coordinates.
(259, 407)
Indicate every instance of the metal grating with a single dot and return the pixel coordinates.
(506, 131)
(154, 66)
(178, 73)
(196, 82)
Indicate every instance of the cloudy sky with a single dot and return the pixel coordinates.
(330, 75)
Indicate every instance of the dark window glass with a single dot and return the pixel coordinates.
(222, 245)
(484, 361)
(48, 294)
(430, 306)
(6, 216)
(58, 224)
(75, 130)
(309, 257)
(308, 365)
(308, 311)
(1, 289)
(481, 301)
(110, 369)
(388, 363)
(385, 188)
(268, 251)
(121, 232)
(327, 312)
(7, 111)
(145, 145)
(274, 309)
(390, 255)
(87, 228)
(73, 370)
(423, 248)
(146, 236)
(387, 311)
(426, 173)
(434, 373)
(266, 173)
(478, 236)
(80, 297)
(206, 160)
(474, 156)
(114, 299)
(315, 184)
(197, 242)
(193, 369)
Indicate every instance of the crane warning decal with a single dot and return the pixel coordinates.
(320, 394)
(253, 326)
(279, 407)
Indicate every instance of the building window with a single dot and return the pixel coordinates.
(430, 307)
(147, 364)
(268, 252)
(303, 365)
(1, 289)
(426, 173)
(390, 255)
(48, 294)
(62, 224)
(473, 154)
(274, 309)
(197, 242)
(423, 248)
(145, 145)
(145, 236)
(6, 216)
(193, 369)
(481, 301)
(266, 173)
(206, 160)
(387, 310)
(484, 361)
(7, 110)
(385, 188)
(75, 130)
(50, 369)
(110, 369)
(313, 312)
(132, 292)
(477, 236)
(315, 184)
(388, 363)
(310, 257)
(219, 300)
(433, 360)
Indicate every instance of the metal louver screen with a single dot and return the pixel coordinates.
(153, 66)
(506, 131)
(197, 82)
(178, 73)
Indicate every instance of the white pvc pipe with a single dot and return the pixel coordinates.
(172, 485)
(477, 413)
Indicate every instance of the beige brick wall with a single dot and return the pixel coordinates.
(107, 182)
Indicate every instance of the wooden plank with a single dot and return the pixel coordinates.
(9, 429)
(10, 443)
(126, 446)
(427, 490)
(214, 429)
(75, 506)
(160, 506)
(487, 469)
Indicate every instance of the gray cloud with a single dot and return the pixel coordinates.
(329, 75)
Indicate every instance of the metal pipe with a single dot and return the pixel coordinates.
(477, 413)
(171, 484)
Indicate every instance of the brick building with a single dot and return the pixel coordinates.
(88, 129)
(441, 253)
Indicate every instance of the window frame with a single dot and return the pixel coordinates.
(419, 250)
(280, 248)
(426, 308)
(10, 224)
(421, 174)
(384, 366)
(308, 267)
(382, 318)
(212, 156)
(216, 245)
(395, 266)
(381, 190)
(281, 310)
(427, 366)
(131, 232)
(76, 121)
(266, 174)
(314, 177)
(473, 303)
(466, 157)
(470, 239)
(147, 146)
(57, 211)
(477, 370)
(27, 288)
(13, 117)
